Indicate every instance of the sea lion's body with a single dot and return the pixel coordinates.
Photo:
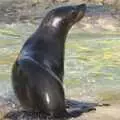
(37, 73)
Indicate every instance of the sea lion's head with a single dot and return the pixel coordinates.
(63, 18)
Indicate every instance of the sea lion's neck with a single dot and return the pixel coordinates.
(56, 32)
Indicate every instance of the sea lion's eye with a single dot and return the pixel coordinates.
(63, 21)
(73, 13)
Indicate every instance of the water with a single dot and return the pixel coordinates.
(93, 65)
(92, 62)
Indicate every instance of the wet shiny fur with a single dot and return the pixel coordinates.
(38, 71)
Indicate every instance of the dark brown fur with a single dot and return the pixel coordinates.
(37, 74)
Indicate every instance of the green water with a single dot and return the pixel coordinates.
(93, 64)
(92, 61)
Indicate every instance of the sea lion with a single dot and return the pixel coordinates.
(37, 74)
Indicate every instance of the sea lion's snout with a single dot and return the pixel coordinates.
(81, 9)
